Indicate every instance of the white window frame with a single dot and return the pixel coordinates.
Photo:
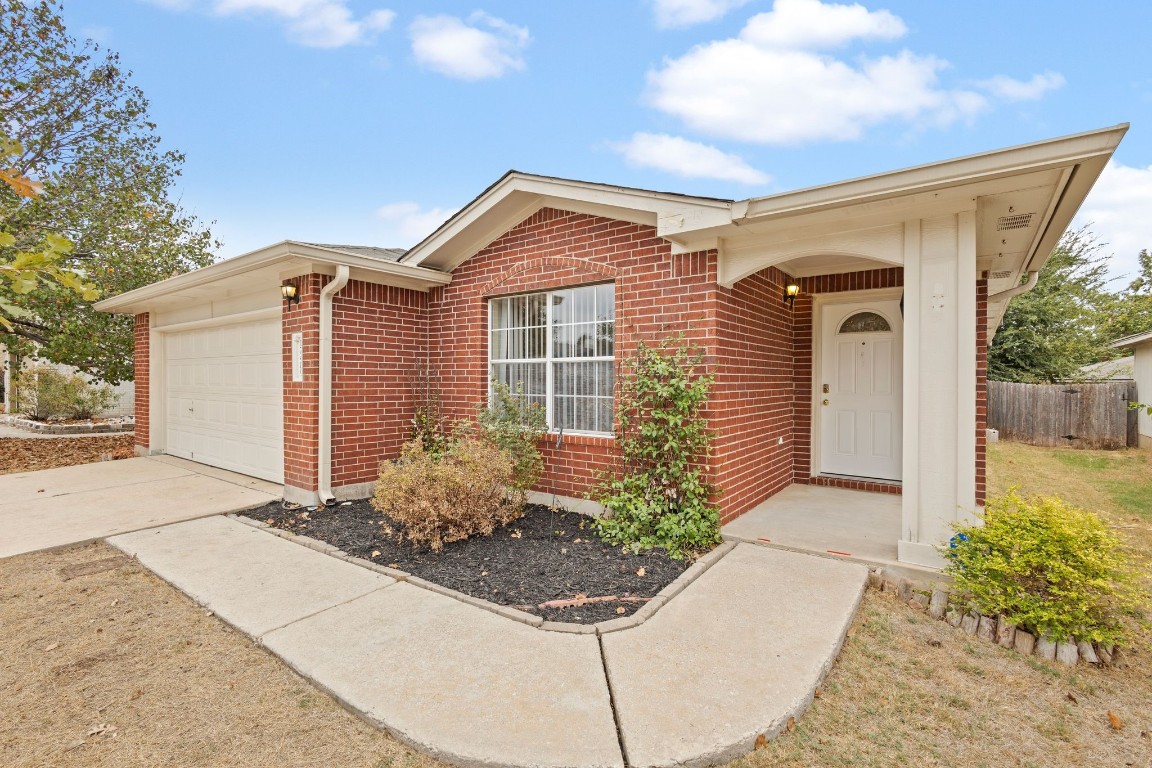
(549, 360)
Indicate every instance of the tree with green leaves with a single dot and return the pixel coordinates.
(1048, 333)
(82, 128)
(32, 264)
(1130, 312)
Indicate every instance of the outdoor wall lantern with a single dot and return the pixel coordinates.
(290, 292)
(790, 292)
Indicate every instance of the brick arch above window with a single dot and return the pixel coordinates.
(549, 272)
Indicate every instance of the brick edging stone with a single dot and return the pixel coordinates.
(70, 429)
(942, 606)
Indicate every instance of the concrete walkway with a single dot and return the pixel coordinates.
(732, 656)
(57, 507)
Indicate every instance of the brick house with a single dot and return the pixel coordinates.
(871, 377)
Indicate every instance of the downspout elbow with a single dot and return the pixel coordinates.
(1033, 277)
(324, 438)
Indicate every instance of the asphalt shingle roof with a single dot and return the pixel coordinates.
(372, 252)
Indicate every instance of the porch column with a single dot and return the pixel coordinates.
(939, 471)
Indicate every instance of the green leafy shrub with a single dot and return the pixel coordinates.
(513, 425)
(659, 497)
(46, 392)
(467, 491)
(1048, 567)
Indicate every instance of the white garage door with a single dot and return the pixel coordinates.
(225, 397)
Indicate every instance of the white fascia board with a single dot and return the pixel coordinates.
(1052, 153)
(1132, 341)
(377, 270)
(518, 195)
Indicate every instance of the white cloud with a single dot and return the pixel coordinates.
(685, 13)
(1010, 89)
(1117, 211)
(409, 223)
(687, 158)
(812, 24)
(775, 82)
(314, 23)
(479, 48)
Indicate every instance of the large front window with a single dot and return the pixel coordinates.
(557, 348)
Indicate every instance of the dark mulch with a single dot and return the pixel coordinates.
(543, 556)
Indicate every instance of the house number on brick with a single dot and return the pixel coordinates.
(298, 357)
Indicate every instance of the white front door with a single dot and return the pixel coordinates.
(858, 388)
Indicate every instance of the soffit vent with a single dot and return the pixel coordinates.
(1004, 275)
(1015, 221)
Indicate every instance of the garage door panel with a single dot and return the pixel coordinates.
(225, 405)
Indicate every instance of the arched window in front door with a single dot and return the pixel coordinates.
(865, 322)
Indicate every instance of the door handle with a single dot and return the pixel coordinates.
(825, 401)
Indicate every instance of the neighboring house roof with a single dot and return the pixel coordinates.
(1132, 341)
(1120, 369)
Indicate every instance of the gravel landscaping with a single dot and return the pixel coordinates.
(543, 557)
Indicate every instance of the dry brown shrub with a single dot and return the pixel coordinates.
(469, 490)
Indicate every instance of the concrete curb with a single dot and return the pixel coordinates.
(600, 628)
(916, 574)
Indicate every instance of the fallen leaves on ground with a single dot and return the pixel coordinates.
(27, 454)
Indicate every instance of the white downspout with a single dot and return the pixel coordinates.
(324, 441)
(1012, 292)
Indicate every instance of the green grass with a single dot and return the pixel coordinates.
(1124, 476)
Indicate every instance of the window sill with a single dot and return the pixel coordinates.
(576, 438)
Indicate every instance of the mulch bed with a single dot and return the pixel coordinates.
(541, 557)
(25, 454)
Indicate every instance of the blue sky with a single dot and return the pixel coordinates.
(367, 121)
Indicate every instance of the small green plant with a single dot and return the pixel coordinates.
(514, 425)
(1050, 568)
(467, 491)
(45, 392)
(659, 496)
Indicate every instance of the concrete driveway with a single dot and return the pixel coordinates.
(70, 505)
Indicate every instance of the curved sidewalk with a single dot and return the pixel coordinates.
(734, 655)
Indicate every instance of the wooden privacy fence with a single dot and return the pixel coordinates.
(1091, 415)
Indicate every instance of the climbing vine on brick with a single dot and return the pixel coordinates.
(658, 495)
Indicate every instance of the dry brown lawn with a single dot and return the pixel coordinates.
(910, 691)
(116, 668)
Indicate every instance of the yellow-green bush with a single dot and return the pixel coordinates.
(1048, 567)
(45, 392)
(468, 490)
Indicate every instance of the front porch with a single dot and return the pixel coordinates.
(862, 526)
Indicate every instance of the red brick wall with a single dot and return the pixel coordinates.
(752, 399)
(302, 399)
(657, 294)
(891, 277)
(981, 389)
(379, 340)
(142, 377)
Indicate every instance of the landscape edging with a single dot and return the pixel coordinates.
(693, 572)
(993, 629)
